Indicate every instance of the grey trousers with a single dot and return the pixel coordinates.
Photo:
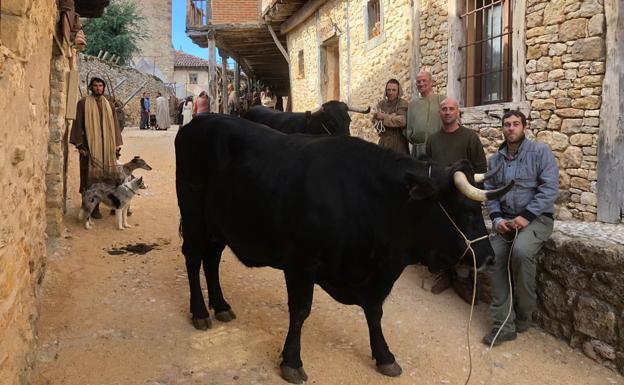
(528, 244)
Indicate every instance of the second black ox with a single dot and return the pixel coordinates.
(331, 118)
(336, 211)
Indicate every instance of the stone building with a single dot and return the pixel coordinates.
(157, 55)
(546, 58)
(37, 64)
(190, 74)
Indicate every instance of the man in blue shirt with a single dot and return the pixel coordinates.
(526, 214)
(145, 111)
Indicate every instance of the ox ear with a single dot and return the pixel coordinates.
(420, 187)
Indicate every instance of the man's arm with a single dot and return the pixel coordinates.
(477, 154)
(547, 185)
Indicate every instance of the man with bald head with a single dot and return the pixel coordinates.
(203, 105)
(451, 143)
(422, 114)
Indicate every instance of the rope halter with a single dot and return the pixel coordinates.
(466, 240)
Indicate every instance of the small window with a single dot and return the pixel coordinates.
(487, 52)
(301, 64)
(192, 78)
(373, 10)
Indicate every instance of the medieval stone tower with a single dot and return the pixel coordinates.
(157, 54)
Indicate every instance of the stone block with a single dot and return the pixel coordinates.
(591, 48)
(591, 122)
(596, 319)
(572, 157)
(555, 140)
(581, 139)
(557, 63)
(546, 86)
(570, 74)
(571, 126)
(588, 8)
(572, 29)
(534, 19)
(563, 102)
(537, 51)
(543, 104)
(580, 183)
(588, 102)
(554, 123)
(556, 74)
(596, 24)
(534, 32)
(554, 12)
(15, 26)
(565, 84)
(544, 63)
(537, 77)
(557, 49)
(597, 68)
(570, 113)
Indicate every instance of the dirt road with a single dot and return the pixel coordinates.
(123, 318)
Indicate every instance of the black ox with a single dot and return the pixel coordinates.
(336, 211)
(331, 118)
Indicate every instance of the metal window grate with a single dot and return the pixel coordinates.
(487, 51)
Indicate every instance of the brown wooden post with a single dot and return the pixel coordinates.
(224, 83)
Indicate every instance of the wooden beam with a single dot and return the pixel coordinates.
(301, 15)
(279, 44)
(224, 83)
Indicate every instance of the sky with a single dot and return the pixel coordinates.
(178, 31)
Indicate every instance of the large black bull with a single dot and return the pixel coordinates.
(331, 119)
(336, 211)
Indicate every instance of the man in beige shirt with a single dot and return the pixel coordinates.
(422, 114)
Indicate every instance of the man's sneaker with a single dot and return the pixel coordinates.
(503, 336)
(442, 282)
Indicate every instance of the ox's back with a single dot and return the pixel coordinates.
(286, 122)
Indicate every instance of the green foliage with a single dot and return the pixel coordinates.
(118, 31)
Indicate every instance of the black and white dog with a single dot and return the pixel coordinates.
(116, 197)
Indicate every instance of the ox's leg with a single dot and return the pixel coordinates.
(201, 318)
(223, 311)
(386, 364)
(300, 288)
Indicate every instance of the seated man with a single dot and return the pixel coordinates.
(524, 213)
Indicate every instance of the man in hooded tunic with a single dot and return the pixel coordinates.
(390, 118)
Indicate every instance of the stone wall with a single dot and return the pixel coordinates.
(434, 41)
(96, 67)
(26, 42)
(580, 287)
(565, 66)
(365, 64)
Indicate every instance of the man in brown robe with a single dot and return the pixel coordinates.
(97, 136)
(390, 118)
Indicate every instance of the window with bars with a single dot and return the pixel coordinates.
(487, 52)
(373, 10)
(192, 78)
(301, 64)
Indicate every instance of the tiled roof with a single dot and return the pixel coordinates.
(183, 59)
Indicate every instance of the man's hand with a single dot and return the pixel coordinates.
(83, 151)
(518, 222)
(379, 115)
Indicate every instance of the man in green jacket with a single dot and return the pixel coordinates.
(422, 114)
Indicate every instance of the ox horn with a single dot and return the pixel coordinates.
(479, 178)
(470, 191)
(360, 110)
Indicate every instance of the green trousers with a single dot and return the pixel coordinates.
(528, 244)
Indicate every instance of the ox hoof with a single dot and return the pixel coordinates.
(225, 316)
(294, 376)
(390, 370)
(202, 323)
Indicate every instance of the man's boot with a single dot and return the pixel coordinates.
(442, 282)
(96, 214)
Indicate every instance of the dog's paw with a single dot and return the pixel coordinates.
(88, 225)
(127, 225)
